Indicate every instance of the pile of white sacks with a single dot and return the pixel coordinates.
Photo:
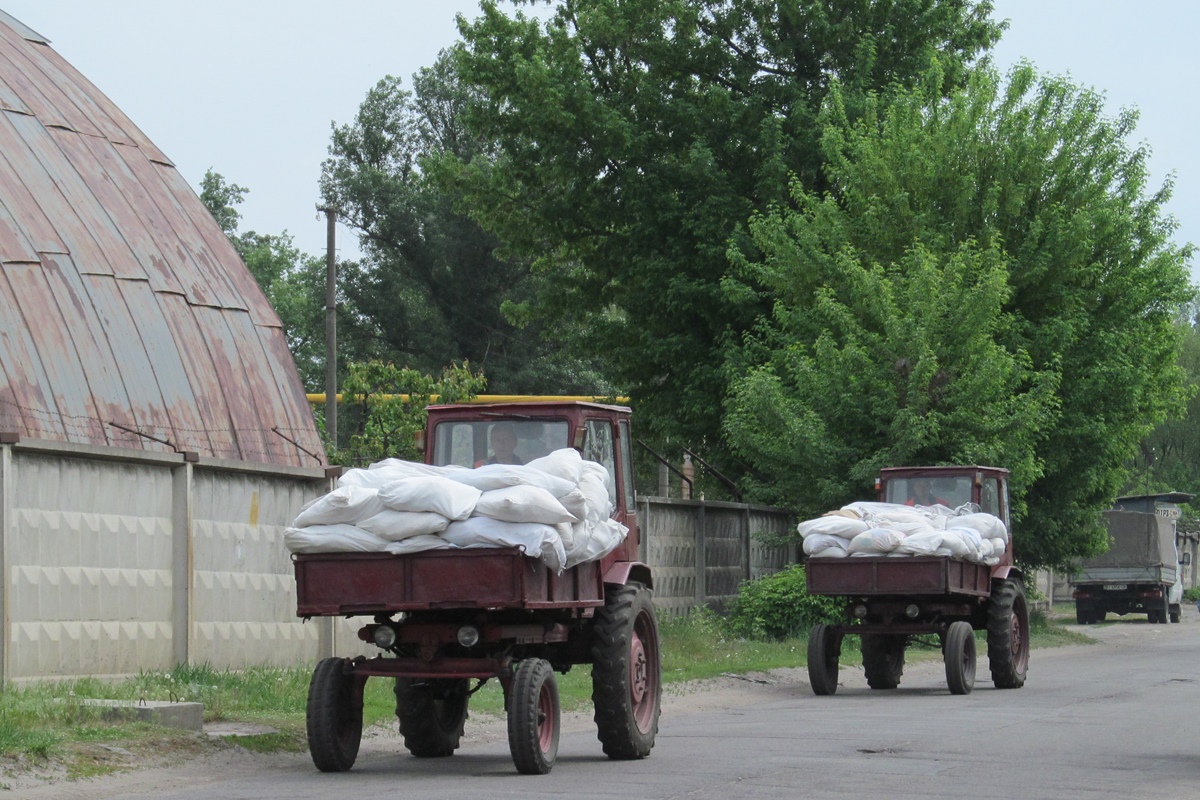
(556, 508)
(889, 529)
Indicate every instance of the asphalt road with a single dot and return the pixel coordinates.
(1118, 719)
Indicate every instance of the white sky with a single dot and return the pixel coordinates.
(250, 87)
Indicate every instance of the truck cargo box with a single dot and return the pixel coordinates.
(882, 575)
(1141, 548)
(335, 584)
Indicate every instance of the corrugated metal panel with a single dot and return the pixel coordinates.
(67, 100)
(148, 319)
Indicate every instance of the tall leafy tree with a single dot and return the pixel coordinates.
(634, 139)
(986, 278)
(432, 286)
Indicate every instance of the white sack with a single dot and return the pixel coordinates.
(834, 552)
(595, 492)
(865, 507)
(921, 544)
(397, 525)
(523, 504)
(875, 541)
(835, 525)
(339, 538)
(989, 526)
(535, 539)
(384, 472)
(602, 539)
(962, 543)
(444, 496)
(490, 477)
(418, 544)
(998, 546)
(345, 504)
(566, 464)
(816, 543)
(575, 502)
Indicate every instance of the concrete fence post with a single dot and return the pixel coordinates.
(182, 564)
(6, 483)
(701, 556)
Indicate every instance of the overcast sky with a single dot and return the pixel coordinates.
(250, 87)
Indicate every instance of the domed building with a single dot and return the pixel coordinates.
(155, 438)
(127, 319)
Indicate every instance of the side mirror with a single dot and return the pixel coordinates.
(1187, 559)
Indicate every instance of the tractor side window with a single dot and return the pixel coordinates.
(989, 496)
(454, 443)
(627, 465)
(598, 446)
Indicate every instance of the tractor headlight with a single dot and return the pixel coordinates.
(912, 611)
(468, 636)
(384, 636)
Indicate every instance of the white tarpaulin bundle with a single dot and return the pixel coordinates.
(890, 529)
(555, 508)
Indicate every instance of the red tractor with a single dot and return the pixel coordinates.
(446, 621)
(891, 601)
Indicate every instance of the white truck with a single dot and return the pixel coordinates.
(1140, 573)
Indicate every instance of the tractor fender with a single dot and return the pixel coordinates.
(622, 572)
(1008, 571)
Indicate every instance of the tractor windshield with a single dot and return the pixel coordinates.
(473, 443)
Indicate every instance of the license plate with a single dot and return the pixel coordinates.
(1116, 587)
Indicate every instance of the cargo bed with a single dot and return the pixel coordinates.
(336, 584)
(881, 575)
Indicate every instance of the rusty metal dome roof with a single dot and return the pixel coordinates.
(127, 319)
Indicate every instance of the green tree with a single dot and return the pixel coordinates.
(635, 138)
(1169, 458)
(432, 285)
(986, 279)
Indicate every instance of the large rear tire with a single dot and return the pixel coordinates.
(334, 716)
(534, 717)
(959, 647)
(1008, 634)
(432, 714)
(883, 659)
(824, 650)
(626, 672)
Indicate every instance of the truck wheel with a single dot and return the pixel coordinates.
(533, 717)
(1176, 613)
(626, 672)
(1008, 634)
(959, 649)
(1165, 611)
(1098, 616)
(883, 659)
(824, 650)
(1082, 617)
(431, 714)
(334, 717)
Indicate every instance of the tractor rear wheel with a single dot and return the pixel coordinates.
(626, 672)
(1008, 634)
(883, 659)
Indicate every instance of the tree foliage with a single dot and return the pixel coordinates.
(432, 284)
(635, 137)
(986, 279)
(386, 406)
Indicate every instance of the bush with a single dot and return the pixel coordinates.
(1192, 595)
(778, 606)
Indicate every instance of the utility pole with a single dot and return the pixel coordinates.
(330, 324)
